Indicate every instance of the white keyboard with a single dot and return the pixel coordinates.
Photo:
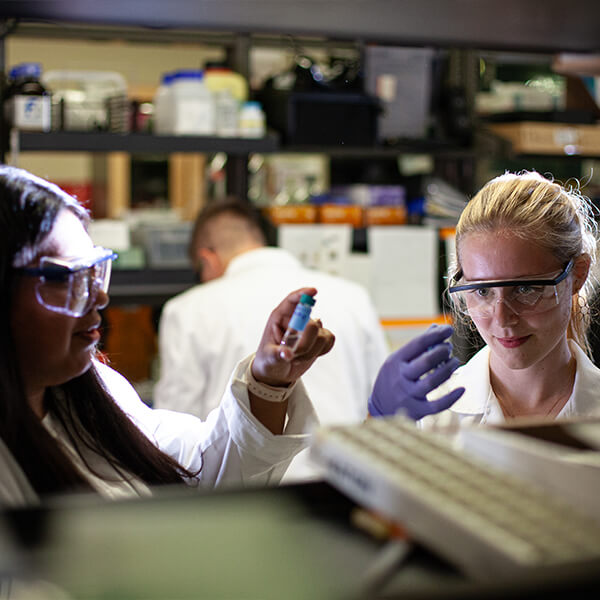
(487, 523)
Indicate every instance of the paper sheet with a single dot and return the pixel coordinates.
(404, 276)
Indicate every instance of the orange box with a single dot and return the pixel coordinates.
(532, 137)
(292, 213)
(341, 213)
(447, 233)
(385, 215)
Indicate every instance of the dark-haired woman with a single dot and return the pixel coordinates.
(70, 423)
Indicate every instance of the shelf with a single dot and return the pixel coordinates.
(148, 286)
(98, 141)
(511, 24)
(436, 148)
(144, 143)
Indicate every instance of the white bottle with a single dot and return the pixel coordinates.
(193, 106)
(252, 120)
(227, 111)
(162, 108)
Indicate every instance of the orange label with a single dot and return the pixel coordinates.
(337, 213)
(385, 215)
(293, 213)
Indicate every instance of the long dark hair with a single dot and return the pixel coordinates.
(29, 207)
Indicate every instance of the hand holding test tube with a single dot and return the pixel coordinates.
(276, 364)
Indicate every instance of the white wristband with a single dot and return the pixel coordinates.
(267, 392)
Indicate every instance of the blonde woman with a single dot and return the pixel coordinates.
(525, 246)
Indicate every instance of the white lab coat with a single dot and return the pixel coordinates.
(204, 331)
(479, 405)
(230, 447)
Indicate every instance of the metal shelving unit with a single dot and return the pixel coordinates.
(148, 286)
(100, 141)
(524, 25)
(511, 25)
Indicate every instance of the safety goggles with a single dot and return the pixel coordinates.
(70, 285)
(523, 296)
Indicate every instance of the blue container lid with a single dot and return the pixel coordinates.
(167, 78)
(188, 74)
(29, 69)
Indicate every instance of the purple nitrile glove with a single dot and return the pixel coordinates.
(410, 373)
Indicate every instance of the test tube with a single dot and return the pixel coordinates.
(298, 322)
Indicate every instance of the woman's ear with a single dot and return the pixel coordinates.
(581, 269)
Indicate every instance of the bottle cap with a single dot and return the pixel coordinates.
(188, 74)
(167, 78)
(26, 70)
(306, 299)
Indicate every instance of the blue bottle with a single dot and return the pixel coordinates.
(298, 322)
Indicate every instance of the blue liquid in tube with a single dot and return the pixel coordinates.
(298, 322)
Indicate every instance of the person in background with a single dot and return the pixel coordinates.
(522, 277)
(69, 423)
(204, 331)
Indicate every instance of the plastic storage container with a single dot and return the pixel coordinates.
(161, 101)
(165, 244)
(191, 105)
(80, 99)
(28, 104)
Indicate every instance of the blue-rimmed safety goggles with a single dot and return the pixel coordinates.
(70, 285)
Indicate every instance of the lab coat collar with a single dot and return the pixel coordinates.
(585, 398)
(479, 398)
(260, 257)
(475, 375)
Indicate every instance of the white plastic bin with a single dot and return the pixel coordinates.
(166, 244)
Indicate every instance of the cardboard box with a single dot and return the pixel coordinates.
(531, 137)
(292, 213)
(385, 215)
(341, 213)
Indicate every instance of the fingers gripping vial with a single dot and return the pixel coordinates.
(298, 322)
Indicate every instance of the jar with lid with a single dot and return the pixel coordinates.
(219, 77)
(27, 102)
(252, 120)
(162, 105)
(192, 104)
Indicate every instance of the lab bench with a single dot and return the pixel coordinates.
(294, 541)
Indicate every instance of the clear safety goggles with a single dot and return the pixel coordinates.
(70, 285)
(522, 296)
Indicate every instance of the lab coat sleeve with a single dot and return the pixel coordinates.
(183, 381)
(231, 447)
